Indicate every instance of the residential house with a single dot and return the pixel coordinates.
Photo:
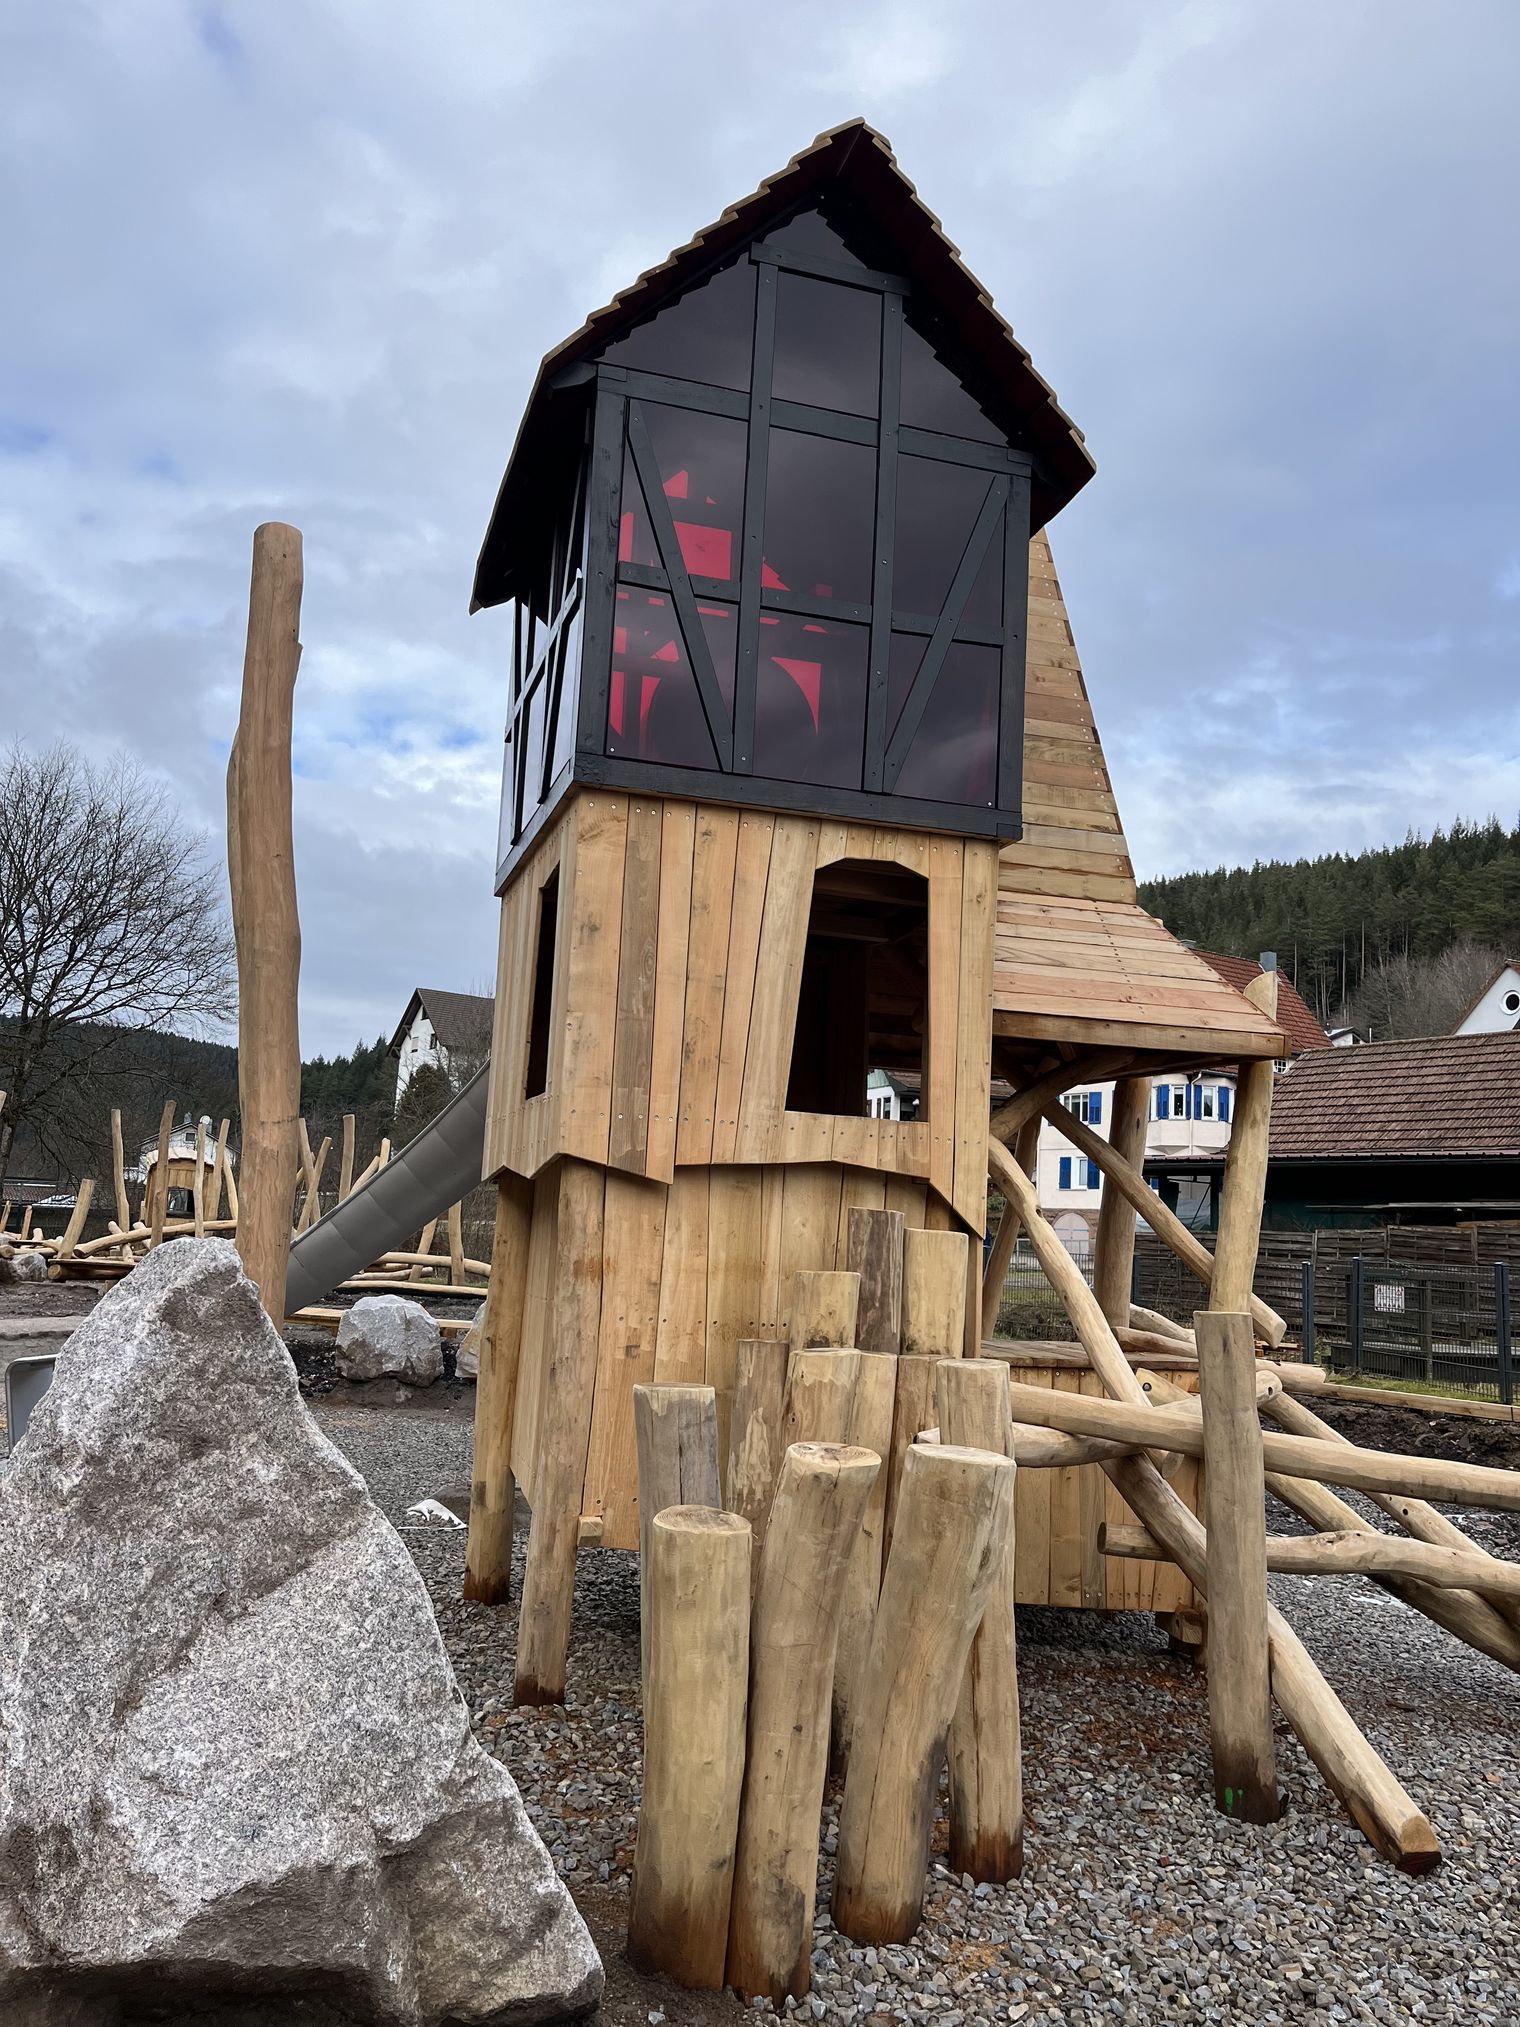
(1496, 1010)
(438, 1028)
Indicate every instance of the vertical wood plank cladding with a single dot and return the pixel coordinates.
(859, 1190)
(712, 901)
(538, 1308)
(638, 942)
(768, 1308)
(941, 1027)
(906, 1194)
(501, 1150)
(1031, 1520)
(1066, 1514)
(1093, 1486)
(735, 1257)
(973, 1052)
(751, 873)
(520, 1133)
(856, 1143)
(592, 933)
(681, 1355)
(632, 1253)
(777, 985)
(809, 1228)
(677, 843)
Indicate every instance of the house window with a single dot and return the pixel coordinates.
(1085, 1105)
(864, 992)
(1206, 1101)
(1171, 1101)
(1075, 1173)
(536, 1079)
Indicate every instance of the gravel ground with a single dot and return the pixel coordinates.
(1138, 1902)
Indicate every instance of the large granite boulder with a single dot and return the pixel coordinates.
(388, 1337)
(234, 1765)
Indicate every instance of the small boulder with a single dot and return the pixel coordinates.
(467, 1357)
(28, 1266)
(388, 1337)
(235, 1769)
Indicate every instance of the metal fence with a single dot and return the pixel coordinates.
(1029, 1307)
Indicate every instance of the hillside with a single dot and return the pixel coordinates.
(1334, 920)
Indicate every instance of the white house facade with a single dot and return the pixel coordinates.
(1186, 1116)
(1496, 1010)
(435, 1027)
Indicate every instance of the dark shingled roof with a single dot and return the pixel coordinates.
(1445, 1096)
(1293, 1015)
(458, 1018)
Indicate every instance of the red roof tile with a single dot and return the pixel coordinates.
(1293, 1015)
(1444, 1095)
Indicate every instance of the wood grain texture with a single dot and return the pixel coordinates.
(488, 1551)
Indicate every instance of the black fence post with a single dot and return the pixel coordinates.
(1134, 1277)
(1306, 1334)
(1501, 1333)
(1356, 1299)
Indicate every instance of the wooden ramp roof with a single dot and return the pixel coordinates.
(1077, 961)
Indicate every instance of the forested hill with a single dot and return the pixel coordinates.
(1334, 919)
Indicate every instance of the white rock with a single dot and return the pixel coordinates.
(467, 1358)
(386, 1336)
(233, 1760)
(28, 1266)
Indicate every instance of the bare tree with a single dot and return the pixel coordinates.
(1408, 996)
(111, 924)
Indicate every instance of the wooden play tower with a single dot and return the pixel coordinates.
(801, 782)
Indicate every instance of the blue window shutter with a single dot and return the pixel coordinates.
(1095, 1113)
(1224, 1103)
(1065, 1171)
(1092, 1175)
(1163, 1101)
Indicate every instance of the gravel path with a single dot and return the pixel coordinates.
(1138, 1902)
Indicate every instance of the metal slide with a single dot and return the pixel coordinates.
(431, 1172)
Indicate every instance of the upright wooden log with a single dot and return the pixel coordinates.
(232, 1191)
(934, 1294)
(986, 1763)
(819, 1504)
(1245, 1173)
(488, 1553)
(676, 1430)
(456, 1243)
(915, 1407)
(820, 1386)
(119, 1172)
(69, 1238)
(261, 862)
(159, 1181)
(198, 1181)
(955, 1515)
(419, 1269)
(1025, 1151)
(311, 1207)
(696, 1680)
(755, 1448)
(346, 1158)
(543, 1626)
(872, 1404)
(874, 1251)
(825, 1306)
(1114, 1247)
(1240, 1686)
(218, 1173)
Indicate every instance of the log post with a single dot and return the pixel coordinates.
(119, 1172)
(820, 1386)
(311, 1207)
(198, 1182)
(986, 1766)
(456, 1244)
(872, 1405)
(1245, 1174)
(955, 1514)
(1240, 1688)
(70, 1235)
(874, 1251)
(676, 1430)
(755, 1447)
(934, 1294)
(1025, 1152)
(820, 1501)
(915, 1407)
(261, 863)
(346, 1159)
(158, 1183)
(564, 1436)
(218, 1172)
(825, 1305)
(1114, 1247)
(696, 1680)
(488, 1553)
(419, 1270)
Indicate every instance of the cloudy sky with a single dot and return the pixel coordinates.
(297, 260)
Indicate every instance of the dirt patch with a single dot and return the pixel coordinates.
(50, 1298)
(1460, 1439)
(632, 1999)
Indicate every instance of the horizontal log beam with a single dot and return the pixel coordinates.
(1349, 1552)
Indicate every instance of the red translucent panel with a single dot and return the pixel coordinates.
(810, 700)
(820, 508)
(937, 507)
(707, 334)
(828, 345)
(953, 757)
(701, 462)
(933, 398)
(653, 709)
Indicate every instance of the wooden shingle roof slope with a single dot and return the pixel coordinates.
(1076, 959)
(1443, 1097)
(856, 159)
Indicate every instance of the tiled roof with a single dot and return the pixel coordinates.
(1445, 1095)
(458, 1018)
(1293, 1015)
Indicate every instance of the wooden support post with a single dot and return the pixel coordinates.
(1245, 1173)
(119, 1171)
(696, 1679)
(676, 1430)
(820, 1386)
(875, 1252)
(825, 1306)
(419, 1270)
(934, 1294)
(1240, 1688)
(306, 1180)
(311, 1208)
(218, 1172)
(755, 1447)
(955, 1515)
(232, 1191)
(198, 1181)
(77, 1216)
(543, 1627)
(915, 1407)
(986, 1765)
(261, 862)
(346, 1160)
(1006, 1237)
(1114, 1248)
(159, 1181)
(872, 1405)
(820, 1502)
(488, 1554)
(26, 1223)
(456, 1243)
